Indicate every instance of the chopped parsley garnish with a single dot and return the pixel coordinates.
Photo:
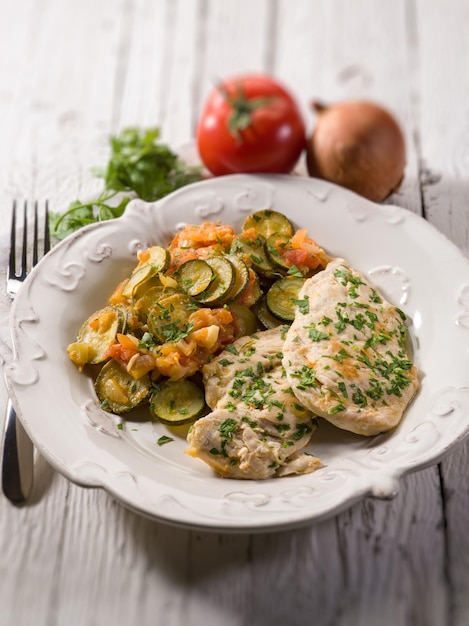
(164, 439)
(299, 407)
(231, 348)
(336, 409)
(374, 297)
(225, 362)
(401, 314)
(343, 388)
(257, 259)
(316, 335)
(302, 304)
(295, 271)
(302, 429)
(306, 376)
(252, 423)
(359, 398)
(228, 427)
(147, 341)
(173, 332)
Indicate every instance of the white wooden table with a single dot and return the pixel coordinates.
(72, 72)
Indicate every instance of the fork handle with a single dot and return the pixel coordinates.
(18, 459)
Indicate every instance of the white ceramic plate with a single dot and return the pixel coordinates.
(413, 265)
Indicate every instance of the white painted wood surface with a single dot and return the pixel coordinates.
(72, 72)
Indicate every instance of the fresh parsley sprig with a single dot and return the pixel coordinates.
(139, 164)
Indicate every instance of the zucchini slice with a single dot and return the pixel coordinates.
(281, 297)
(167, 319)
(194, 276)
(253, 291)
(144, 287)
(244, 319)
(268, 222)
(274, 247)
(222, 284)
(241, 280)
(100, 330)
(138, 277)
(177, 402)
(117, 391)
(265, 317)
(157, 262)
(150, 298)
(254, 250)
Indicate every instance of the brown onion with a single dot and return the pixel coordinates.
(358, 145)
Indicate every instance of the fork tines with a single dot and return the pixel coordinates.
(19, 274)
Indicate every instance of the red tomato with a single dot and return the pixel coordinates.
(250, 123)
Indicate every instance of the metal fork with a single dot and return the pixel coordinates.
(18, 451)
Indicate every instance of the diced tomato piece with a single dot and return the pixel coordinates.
(202, 235)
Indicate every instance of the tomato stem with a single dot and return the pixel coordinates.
(242, 107)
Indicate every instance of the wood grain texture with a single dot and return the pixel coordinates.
(71, 73)
(443, 145)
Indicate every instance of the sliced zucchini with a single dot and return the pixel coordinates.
(150, 298)
(177, 402)
(159, 258)
(144, 287)
(268, 222)
(124, 314)
(241, 280)
(274, 247)
(137, 278)
(254, 250)
(117, 391)
(281, 297)
(194, 276)
(167, 319)
(157, 262)
(100, 330)
(265, 317)
(222, 284)
(244, 319)
(253, 291)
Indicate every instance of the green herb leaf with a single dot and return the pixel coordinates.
(303, 305)
(139, 164)
(164, 439)
(295, 271)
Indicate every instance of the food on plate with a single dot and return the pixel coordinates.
(250, 123)
(257, 428)
(345, 353)
(249, 336)
(359, 145)
(181, 305)
(118, 391)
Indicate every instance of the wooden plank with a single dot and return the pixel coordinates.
(64, 89)
(443, 38)
(367, 566)
(444, 121)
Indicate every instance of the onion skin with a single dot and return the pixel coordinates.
(358, 145)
